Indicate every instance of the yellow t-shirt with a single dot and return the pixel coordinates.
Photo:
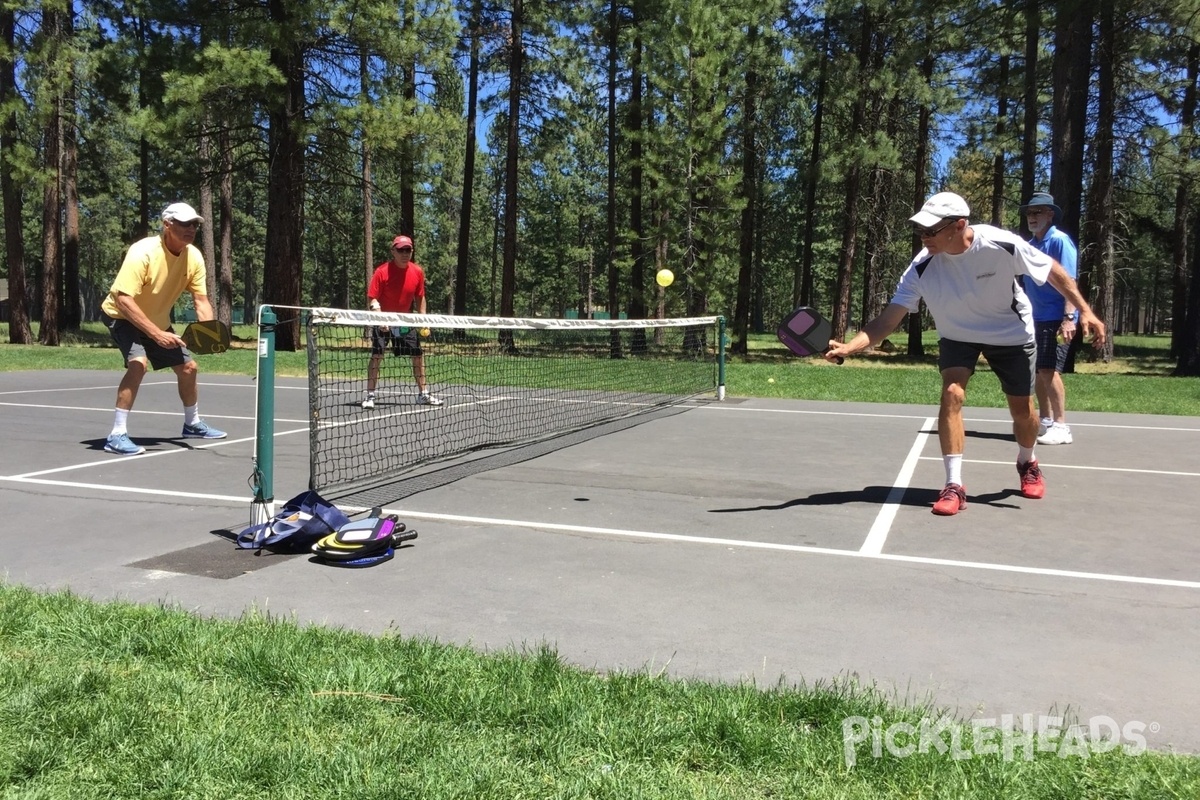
(155, 278)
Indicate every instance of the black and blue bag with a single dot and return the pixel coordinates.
(303, 520)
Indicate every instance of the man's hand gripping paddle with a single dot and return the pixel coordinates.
(805, 332)
(208, 337)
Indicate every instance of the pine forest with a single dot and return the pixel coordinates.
(548, 157)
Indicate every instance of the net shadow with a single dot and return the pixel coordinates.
(397, 489)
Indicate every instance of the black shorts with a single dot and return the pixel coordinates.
(1050, 354)
(135, 344)
(404, 341)
(1013, 364)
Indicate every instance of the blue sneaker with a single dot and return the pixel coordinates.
(121, 444)
(202, 430)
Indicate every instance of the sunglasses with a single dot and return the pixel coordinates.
(193, 224)
(402, 249)
(927, 233)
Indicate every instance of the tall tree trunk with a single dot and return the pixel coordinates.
(512, 147)
(208, 239)
(1100, 252)
(52, 140)
(463, 265)
(916, 338)
(845, 274)
(1072, 68)
(610, 227)
(998, 159)
(1185, 330)
(367, 191)
(1071, 71)
(225, 268)
(72, 311)
(19, 329)
(1183, 191)
(285, 183)
(142, 226)
(1029, 137)
(802, 284)
(882, 200)
(408, 168)
(741, 313)
(637, 292)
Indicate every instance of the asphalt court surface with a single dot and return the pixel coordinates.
(747, 540)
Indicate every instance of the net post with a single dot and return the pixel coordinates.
(721, 358)
(262, 507)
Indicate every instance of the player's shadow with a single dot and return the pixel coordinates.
(147, 442)
(875, 495)
(998, 436)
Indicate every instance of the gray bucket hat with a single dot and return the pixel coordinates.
(1043, 199)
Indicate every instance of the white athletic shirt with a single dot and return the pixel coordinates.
(975, 296)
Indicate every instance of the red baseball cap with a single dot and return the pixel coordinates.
(402, 241)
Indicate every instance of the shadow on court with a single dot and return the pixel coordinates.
(876, 495)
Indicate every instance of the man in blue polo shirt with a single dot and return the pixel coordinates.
(1053, 318)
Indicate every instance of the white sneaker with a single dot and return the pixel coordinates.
(1044, 425)
(1058, 433)
(426, 399)
(369, 402)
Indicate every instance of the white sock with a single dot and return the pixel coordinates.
(120, 419)
(1024, 454)
(191, 414)
(953, 468)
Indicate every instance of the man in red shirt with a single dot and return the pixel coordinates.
(398, 286)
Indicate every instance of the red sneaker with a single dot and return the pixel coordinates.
(952, 500)
(1032, 485)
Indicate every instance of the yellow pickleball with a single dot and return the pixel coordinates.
(664, 278)
(424, 331)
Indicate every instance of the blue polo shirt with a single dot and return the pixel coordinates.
(1048, 304)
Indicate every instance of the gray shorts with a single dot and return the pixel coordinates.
(1014, 365)
(135, 344)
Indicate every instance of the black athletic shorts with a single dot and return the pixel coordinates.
(1013, 364)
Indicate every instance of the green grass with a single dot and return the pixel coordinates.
(121, 701)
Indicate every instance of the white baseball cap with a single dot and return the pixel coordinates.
(938, 207)
(181, 212)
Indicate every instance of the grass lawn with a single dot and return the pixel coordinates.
(121, 701)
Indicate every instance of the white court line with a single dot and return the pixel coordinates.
(1004, 421)
(1045, 463)
(108, 386)
(671, 537)
(112, 387)
(116, 459)
(127, 489)
(108, 409)
(792, 548)
(873, 544)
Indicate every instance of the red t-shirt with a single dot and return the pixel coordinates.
(397, 288)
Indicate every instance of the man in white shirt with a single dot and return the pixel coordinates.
(968, 277)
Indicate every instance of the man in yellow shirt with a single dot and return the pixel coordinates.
(157, 270)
